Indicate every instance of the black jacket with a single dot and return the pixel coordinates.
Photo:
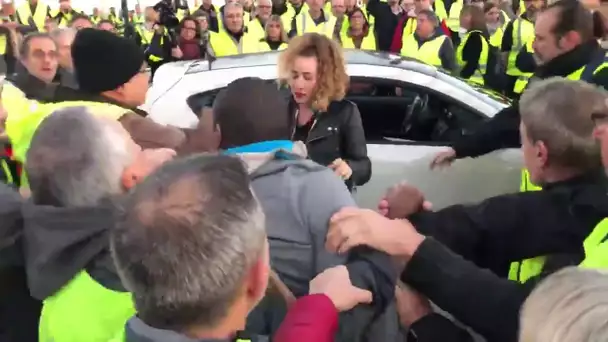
(502, 130)
(385, 23)
(471, 53)
(19, 312)
(453, 267)
(338, 133)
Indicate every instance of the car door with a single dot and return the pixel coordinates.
(467, 180)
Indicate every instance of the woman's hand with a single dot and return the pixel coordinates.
(341, 168)
(176, 52)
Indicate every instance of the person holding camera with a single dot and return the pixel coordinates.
(161, 46)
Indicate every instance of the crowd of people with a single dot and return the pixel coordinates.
(116, 228)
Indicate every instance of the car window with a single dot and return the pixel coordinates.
(473, 88)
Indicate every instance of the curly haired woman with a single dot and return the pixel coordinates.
(313, 67)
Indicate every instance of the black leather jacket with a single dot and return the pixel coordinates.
(338, 133)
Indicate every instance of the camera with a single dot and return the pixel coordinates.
(166, 14)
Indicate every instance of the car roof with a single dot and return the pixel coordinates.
(351, 56)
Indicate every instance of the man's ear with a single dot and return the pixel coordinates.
(543, 152)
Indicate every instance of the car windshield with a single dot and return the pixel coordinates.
(473, 87)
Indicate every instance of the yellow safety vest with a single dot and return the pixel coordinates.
(21, 128)
(3, 43)
(452, 19)
(477, 76)
(526, 184)
(145, 34)
(224, 44)
(496, 37)
(84, 310)
(523, 32)
(305, 24)
(368, 43)
(39, 16)
(523, 78)
(6, 170)
(409, 29)
(596, 256)
(255, 30)
(264, 47)
(428, 52)
(65, 20)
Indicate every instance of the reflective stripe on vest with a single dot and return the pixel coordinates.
(428, 52)
(84, 310)
(24, 13)
(223, 44)
(368, 42)
(477, 76)
(305, 24)
(6, 170)
(523, 32)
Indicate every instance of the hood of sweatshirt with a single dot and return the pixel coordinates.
(61, 242)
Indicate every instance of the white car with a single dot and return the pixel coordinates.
(410, 112)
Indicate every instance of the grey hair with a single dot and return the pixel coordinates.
(569, 306)
(24, 47)
(59, 33)
(431, 16)
(558, 111)
(186, 239)
(235, 5)
(76, 159)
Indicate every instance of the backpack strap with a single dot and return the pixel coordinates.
(594, 63)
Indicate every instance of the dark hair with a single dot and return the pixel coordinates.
(478, 19)
(252, 110)
(359, 10)
(24, 49)
(79, 16)
(571, 15)
(185, 239)
(431, 16)
(197, 27)
(599, 25)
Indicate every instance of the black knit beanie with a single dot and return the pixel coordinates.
(104, 61)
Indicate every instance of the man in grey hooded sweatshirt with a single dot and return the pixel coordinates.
(298, 197)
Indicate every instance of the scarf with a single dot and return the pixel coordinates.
(190, 49)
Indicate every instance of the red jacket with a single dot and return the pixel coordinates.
(397, 42)
(311, 318)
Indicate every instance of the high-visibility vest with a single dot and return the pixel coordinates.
(496, 37)
(523, 32)
(21, 128)
(409, 28)
(95, 19)
(596, 256)
(17, 106)
(84, 310)
(223, 44)
(368, 42)
(24, 13)
(305, 24)
(145, 34)
(260, 45)
(526, 184)
(428, 52)
(523, 78)
(452, 18)
(477, 76)
(255, 30)
(288, 16)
